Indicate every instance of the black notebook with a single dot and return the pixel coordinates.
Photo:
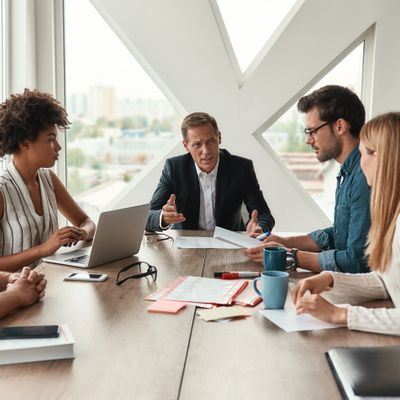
(366, 371)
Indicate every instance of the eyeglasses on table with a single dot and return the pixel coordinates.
(151, 271)
(157, 236)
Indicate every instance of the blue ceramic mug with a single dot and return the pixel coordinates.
(275, 259)
(274, 288)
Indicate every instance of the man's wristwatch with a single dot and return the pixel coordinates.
(294, 265)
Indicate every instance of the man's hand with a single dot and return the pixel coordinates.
(66, 236)
(257, 253)
(253, 229)
(169, 213)
(274, 240)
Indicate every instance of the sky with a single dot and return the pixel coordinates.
(96, 56)
(250, 23)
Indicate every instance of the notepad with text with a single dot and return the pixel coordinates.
(198, 290)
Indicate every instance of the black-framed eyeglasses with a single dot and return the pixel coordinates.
(151, 271)
(157, 236)
(313, 131)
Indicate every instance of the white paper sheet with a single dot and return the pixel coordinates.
(289, 321)
(194, 242)
(205, 290)
(238, 239)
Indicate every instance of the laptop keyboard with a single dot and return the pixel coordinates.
(81, 259)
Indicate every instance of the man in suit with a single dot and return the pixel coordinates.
(207, 186)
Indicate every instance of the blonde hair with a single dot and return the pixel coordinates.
(382, 134)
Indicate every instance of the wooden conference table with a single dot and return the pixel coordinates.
(124, 352)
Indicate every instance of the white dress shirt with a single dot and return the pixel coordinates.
(208, 183)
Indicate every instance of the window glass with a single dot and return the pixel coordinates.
(250, 23)
(120, 119)
(287, 138)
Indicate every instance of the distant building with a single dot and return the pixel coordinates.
(101, 102)
(77, 105)
(133, 133)
(150, 108)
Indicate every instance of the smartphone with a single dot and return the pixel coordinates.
(29, 332)
(85, 276)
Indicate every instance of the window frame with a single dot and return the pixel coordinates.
(367, 38)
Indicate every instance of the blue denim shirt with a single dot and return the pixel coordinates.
(342, 246)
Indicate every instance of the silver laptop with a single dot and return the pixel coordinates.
(119, 235)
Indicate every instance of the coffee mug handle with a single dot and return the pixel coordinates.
(255, 286)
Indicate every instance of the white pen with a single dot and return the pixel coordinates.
(263, 235)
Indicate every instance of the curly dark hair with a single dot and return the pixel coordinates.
(24, 116)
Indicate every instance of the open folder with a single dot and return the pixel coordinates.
(194, 289)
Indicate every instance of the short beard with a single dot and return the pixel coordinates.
(332, 150)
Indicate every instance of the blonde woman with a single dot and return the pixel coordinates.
(380, 162)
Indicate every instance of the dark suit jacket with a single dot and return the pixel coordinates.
(236, 184)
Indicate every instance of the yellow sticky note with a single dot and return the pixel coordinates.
(215, 314)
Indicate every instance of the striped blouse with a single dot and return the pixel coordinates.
(21, 227)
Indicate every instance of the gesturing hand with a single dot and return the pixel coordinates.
(253, 229)
(170, 214)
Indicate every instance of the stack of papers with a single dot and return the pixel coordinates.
(222, 239)
(235, 238)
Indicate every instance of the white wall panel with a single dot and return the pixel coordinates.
(179, 44)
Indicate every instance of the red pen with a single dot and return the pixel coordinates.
(236, 275)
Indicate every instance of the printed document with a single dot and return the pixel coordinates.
(222, 239)
(289, 321)
(194, 242)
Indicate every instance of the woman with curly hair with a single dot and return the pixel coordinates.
(380, 162)
(30, 193)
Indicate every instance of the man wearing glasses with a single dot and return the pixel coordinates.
(334, 117)
(207, 186)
